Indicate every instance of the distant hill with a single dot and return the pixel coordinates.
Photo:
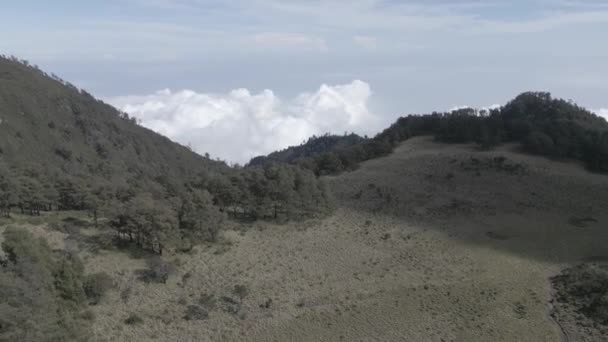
(540, 123)
(314, 146)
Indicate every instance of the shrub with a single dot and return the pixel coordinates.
(126, 294)
(195, 312)
(88, 315)
(96, 285)
(158, 271)
(585, 288)
(41, 292)
(133, 319)
(241, 291)
(68, 275)
(207, 301)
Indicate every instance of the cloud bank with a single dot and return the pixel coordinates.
(240, 125)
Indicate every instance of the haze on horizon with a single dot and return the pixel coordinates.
(272, 73)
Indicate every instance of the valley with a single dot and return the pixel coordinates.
(433, 242)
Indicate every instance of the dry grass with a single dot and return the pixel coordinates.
(433, 243)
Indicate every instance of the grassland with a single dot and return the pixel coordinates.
(432, 243)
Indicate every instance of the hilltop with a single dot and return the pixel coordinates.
(537, 122)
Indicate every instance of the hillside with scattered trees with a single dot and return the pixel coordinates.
(88, 197)
(62, 149)
(541, 124)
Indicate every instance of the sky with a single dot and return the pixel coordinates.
(241, 78)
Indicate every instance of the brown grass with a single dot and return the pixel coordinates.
(426, 245)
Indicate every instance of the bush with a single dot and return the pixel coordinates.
(41, 292)
(195, 312)
(126, 294)
(158, 271)
(69, 274)
(585, 288)
(133, 319)
(241, 291)
(88, 315)
(96, 285)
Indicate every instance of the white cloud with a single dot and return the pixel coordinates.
(240, 125)
(486, 108)
(603, 112)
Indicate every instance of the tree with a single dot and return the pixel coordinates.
(540, 143)
(39, 292)
(31, 196)
(150, 223)
(92, 204)
(70, 194)
(198, 218)
(329, 163)
(279, 187)
(69, 274)
(8, 193)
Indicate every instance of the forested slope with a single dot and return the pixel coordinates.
(62, 149)
(540, 123)
(313, 147)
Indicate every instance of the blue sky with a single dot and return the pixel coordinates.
(414, 56)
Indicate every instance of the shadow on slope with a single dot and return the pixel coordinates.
(531, 206)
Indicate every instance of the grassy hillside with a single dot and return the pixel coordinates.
(432, 242)
(63, 151)
(113, 232)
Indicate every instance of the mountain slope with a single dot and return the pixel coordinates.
(51, 127)
(60, 148)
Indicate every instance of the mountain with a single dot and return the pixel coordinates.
(60, 148)
(51, 128)
(110, 231)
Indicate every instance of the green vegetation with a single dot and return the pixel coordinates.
(585, 289)
(312, 147)
(96, 285)
(133, 319)
(541, 124)
(158, 271)
(62, 149)
(42, 297)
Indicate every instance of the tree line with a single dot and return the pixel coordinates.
(541, 124)
(62, 149)
(167, 211)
